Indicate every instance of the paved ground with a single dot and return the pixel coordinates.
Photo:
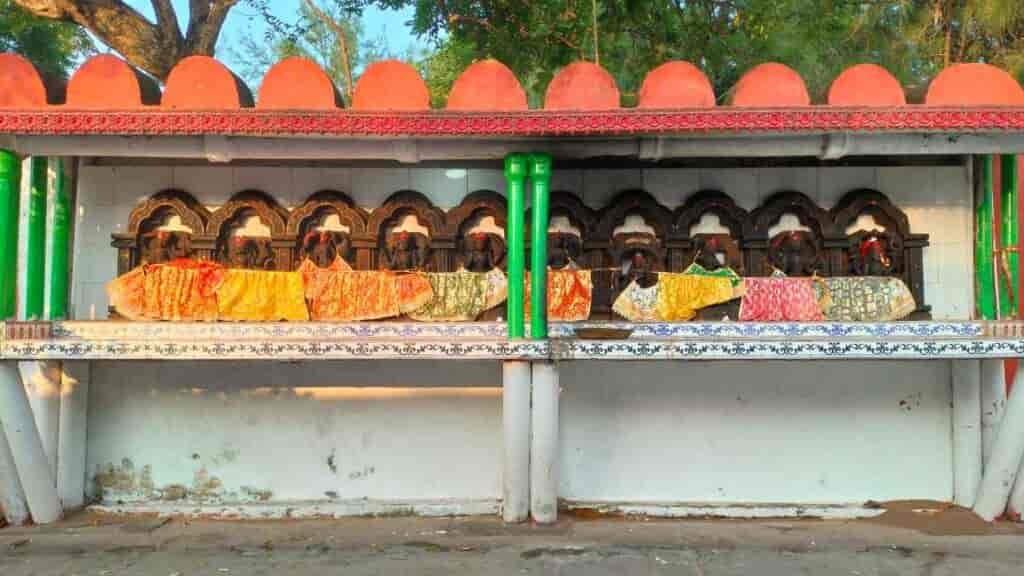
(105, 546)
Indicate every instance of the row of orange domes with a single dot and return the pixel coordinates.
(203, 83)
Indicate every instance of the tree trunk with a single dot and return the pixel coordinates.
(153, 47)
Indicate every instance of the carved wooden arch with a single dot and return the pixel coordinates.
(565, 203)
(181, 203)
(269, 211)
(862, 201)
(406, 202)
(478, 203)
(323, 202)
(730, 215)
(630, 202)
(800, 205)
(481, 202)
(274, 252)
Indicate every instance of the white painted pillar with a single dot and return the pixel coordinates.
(12, 497)
(1007, 454)
(993, 403)
(42, 384)
(515, 413)
(544, 444)
(967, 466)
(26, 446)
(74, 410)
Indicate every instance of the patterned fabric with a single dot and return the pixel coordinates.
(462, 296)
(261, 295)
(679, 296)
(570, 293)
(637, 304)
(868, 299)
(781, 299)
(724, 272)
(338, 293)
(179, 291)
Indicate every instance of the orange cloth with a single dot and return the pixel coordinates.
(181, 291)
(338, 293)
(570, 293)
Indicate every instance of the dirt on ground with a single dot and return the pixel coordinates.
(89, 544)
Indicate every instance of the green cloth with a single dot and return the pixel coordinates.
(724, 272)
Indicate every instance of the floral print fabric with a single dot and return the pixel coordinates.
(461, 296)
(570, 293)
(340, 294)
(637, 304)
(781, 299)
(868, 299)
(179, 291)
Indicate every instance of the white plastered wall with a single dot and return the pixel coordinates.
(659, 432)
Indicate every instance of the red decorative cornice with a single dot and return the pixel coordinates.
(631, 122)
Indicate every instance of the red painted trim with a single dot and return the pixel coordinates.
(63, 121)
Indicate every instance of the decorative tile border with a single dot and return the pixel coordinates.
(460, 349)
(283, 331)
(483, 340)
(788, 350)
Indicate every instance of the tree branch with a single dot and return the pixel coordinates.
(166, 17)
(151, 47)
(340, 32)
(205, 20)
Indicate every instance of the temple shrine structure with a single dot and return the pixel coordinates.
(261, 306)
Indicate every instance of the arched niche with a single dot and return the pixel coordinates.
(709, 224)
(250, 231)
(572, 226)
(801, 247)
(168, 224)
(326, 225)
(478, 226)
(874, 227)
(419, 244)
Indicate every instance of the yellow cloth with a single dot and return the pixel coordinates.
(681, 295)
(261, 295)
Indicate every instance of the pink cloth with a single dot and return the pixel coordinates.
(780, 300)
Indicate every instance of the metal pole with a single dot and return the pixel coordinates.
(515, 181)
(984, 270)
(26, 446)
(59, 223)
(540, 180)
(967, 465)
(35, 260)
(10, 192)
(515, 412)
(1007, 453)
(1010, 234)
(544, 444)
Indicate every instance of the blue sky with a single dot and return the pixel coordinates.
(244, 20)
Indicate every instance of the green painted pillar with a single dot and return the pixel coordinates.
(1010, 234)
(516, 167)
(984, 280)
(35, 254)
(10, 192)
(540, 181)
(59, 224)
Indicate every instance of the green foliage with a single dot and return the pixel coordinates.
(913, 39)
(54, 47)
